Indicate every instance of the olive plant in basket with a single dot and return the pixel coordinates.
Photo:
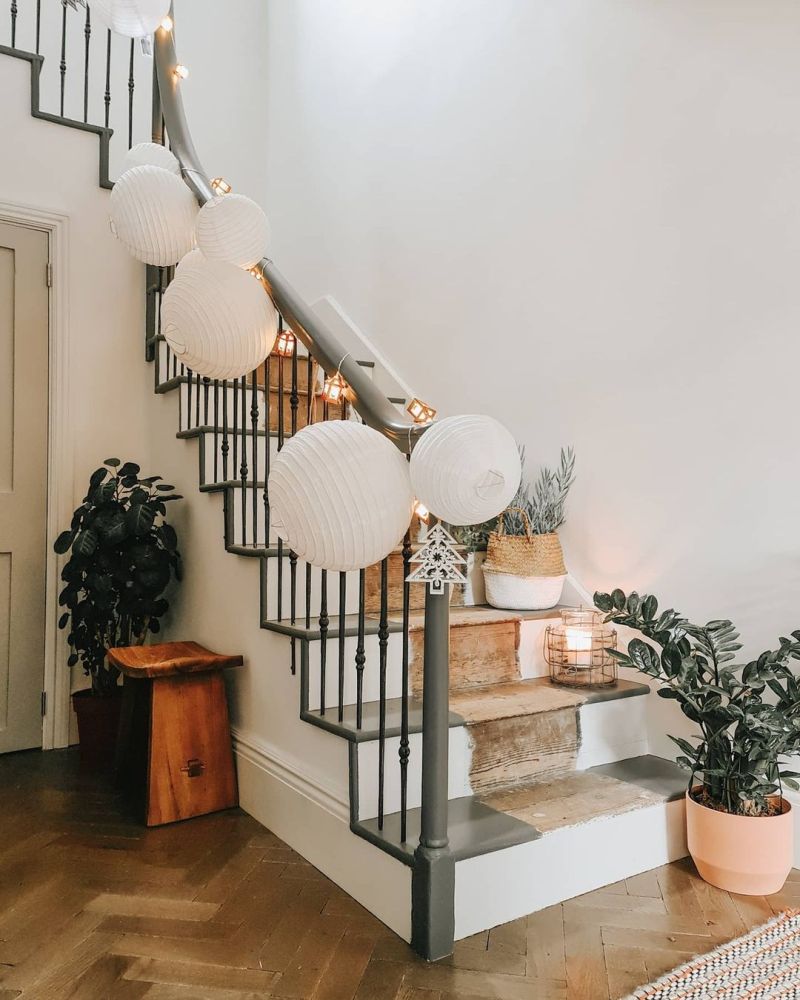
(748, 717)
(122, 556)
(524, 565)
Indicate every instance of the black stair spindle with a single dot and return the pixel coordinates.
(216, 430)
(310, 389)
(206, 387)
(383, 650)
(107, 94)
(190, 377)
(280, 445)
(324, 623)
(131, 87)
(197, 402)
(254, 452)
(38, 24)
(63, 64)
(267, 441)
(361, 658)
(294, 399)
(13, 24)
(225, 442)
(342, 616)
(235, 433)
(87, 34)
(243, 466)
(405, 751)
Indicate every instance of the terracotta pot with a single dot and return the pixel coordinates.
(98, 723)
(751, 855)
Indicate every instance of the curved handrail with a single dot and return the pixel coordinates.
(322, 344)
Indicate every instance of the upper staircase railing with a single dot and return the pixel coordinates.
(239, 424)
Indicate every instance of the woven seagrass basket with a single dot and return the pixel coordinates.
(523, 571)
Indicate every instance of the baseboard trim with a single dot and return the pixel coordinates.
(289, 770)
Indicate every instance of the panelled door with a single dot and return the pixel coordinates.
(23, 482)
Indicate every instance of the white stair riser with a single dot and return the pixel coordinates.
(509, 884)
(285, 588)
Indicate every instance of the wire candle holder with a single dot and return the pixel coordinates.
(577, 650)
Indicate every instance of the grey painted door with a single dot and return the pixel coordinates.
(23, 482)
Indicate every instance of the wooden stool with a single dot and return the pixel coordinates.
(174, 742)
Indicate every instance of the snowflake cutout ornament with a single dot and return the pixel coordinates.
(439, 561)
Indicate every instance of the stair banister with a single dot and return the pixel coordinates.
(433, 876)
(371, 404)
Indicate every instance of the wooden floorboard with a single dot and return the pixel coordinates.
(93, 906)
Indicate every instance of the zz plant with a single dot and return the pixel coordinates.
(748, 714)
(123, 555)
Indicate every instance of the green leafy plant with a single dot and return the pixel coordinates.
(123, 555)
(748, 714)
(543, 502)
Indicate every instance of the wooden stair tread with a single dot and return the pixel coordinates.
(482, 614)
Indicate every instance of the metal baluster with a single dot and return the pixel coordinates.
(235, 454)
(324, 622)
(254, 450)
(243, 466)
(197, 403)
(206, 386)
(38, 24)
(87, 33)
(405, 750)
(280, 445)
(216, 430)
(360, 655)
(107, 94)
(13, 24)
(225, 442)
(131, 86)
(309, 420)
(294, 399)
(342, 617)
(267, 442)
(189, 400)
(383, 649)
(63, 63)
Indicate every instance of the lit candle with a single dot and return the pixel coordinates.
(579, 641)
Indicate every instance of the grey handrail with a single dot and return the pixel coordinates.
(321, 343)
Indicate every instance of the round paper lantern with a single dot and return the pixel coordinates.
(466, 469)
(233, 227)
(133, 18)
(153, 213)
(151, 154)
(340, 495)
(217, 318)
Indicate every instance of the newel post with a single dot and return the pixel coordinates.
(433, 879)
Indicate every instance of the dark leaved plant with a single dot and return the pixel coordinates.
(122, 557)
(748, 714)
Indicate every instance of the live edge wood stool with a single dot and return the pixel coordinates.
(174, 743)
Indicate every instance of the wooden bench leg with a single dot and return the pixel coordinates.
(190, 763)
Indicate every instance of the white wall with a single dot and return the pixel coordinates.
(581, 217)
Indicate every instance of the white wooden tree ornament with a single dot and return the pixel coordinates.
(439, 561)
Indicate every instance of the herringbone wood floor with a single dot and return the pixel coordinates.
(94, 906)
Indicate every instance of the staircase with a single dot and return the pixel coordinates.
(546, 792)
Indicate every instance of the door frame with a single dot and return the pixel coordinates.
(56, 682)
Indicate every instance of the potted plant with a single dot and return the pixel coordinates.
(123, 555)
(524, 567)
(739, 825)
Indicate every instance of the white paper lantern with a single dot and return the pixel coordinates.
(133, 18)
(233, 227)
(217, 318)
(340, 495)
(153, 214)
(151, 154)
(466, 469)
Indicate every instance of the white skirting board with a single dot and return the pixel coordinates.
(315, 824)
(505, 885)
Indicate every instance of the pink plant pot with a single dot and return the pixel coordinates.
(751, 855)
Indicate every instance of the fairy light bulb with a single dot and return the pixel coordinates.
(220, 186)
(181, 71)
(334, 389)
(167, 23)
(421, 511)
(285, 343)
(421, 413)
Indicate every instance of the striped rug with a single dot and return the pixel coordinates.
(761, 965)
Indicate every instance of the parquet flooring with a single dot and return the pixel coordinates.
(93, 906)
